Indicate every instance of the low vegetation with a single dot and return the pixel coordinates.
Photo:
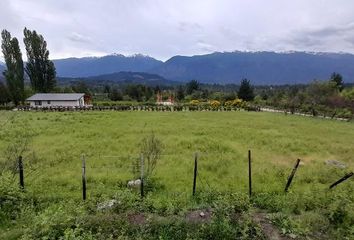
(51, 206)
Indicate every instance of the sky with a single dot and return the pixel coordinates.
(165, 28)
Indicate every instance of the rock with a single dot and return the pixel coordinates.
(336, 163)
(134, 183)
(199, 216)
(106, 205)
(292, 235)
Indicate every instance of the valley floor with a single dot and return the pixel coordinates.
(53, 143)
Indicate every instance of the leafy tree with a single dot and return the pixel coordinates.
(148, 93)
(229, 96)
(4, 95)
(338, 80)
(107, 89)
(205, 94)
(67, 89)
(264, 95)
(14, 63)
(319, 92)
(81, 87)
(192, 86)
(157, 89)
(139, 92)
(39, 68)
(246, 90)
(116, 95)
(348, 94)
(180, 93)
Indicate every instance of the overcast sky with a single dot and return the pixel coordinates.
(164, 28)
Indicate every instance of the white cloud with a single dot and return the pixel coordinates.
(77, 37)
(163, 28)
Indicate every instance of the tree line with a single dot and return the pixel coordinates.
(39, 69)
(330, 97)
(192, 90)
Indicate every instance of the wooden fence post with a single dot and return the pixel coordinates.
(83, 177)
(142, 176)
(342, 179)
(249, 173)
(292, 175)
(195, 172)
(20, 167)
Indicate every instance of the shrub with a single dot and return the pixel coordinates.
(194, 102)
(237, 103)
(11, 197)
(150, 148)
(215, 104)
(52, 222)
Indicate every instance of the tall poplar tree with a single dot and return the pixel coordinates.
(39, 68)
(14, 64)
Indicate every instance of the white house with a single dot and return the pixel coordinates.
(57, 100)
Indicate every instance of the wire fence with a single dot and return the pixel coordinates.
(180, 174)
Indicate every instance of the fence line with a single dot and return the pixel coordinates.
(153, 108)
(198, 175)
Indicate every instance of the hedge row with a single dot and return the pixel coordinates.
(139, 108)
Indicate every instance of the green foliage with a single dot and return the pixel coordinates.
(319, 98)
(139, 92)
(246, 91)
(53, 221)
(77, 234)
(151, 149)
(14, 67)
(39, 68)
(319, 91)
(4, 94)
(348, 93)
(51, 205)
(81, 87)
(116, 95)
(180, 93)
(338, 80)
(192, 86)
(11, 197)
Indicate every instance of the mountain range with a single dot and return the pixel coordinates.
(121, 78)
(220, 67)
(262, 68)
(93, 66)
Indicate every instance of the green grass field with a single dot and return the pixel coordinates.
(110, 141)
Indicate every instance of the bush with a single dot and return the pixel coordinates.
(215, 104)
(194, 102)
(52, 222)
(11, 197)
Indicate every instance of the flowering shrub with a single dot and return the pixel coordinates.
(194, 102)
(228, 103)
(237, 102)
(215, 104)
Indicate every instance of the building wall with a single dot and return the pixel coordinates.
(75, 103)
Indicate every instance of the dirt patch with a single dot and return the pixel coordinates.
(137, 218)
(199, 216)
(269, 230)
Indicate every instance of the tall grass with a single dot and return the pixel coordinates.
(110, 140)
